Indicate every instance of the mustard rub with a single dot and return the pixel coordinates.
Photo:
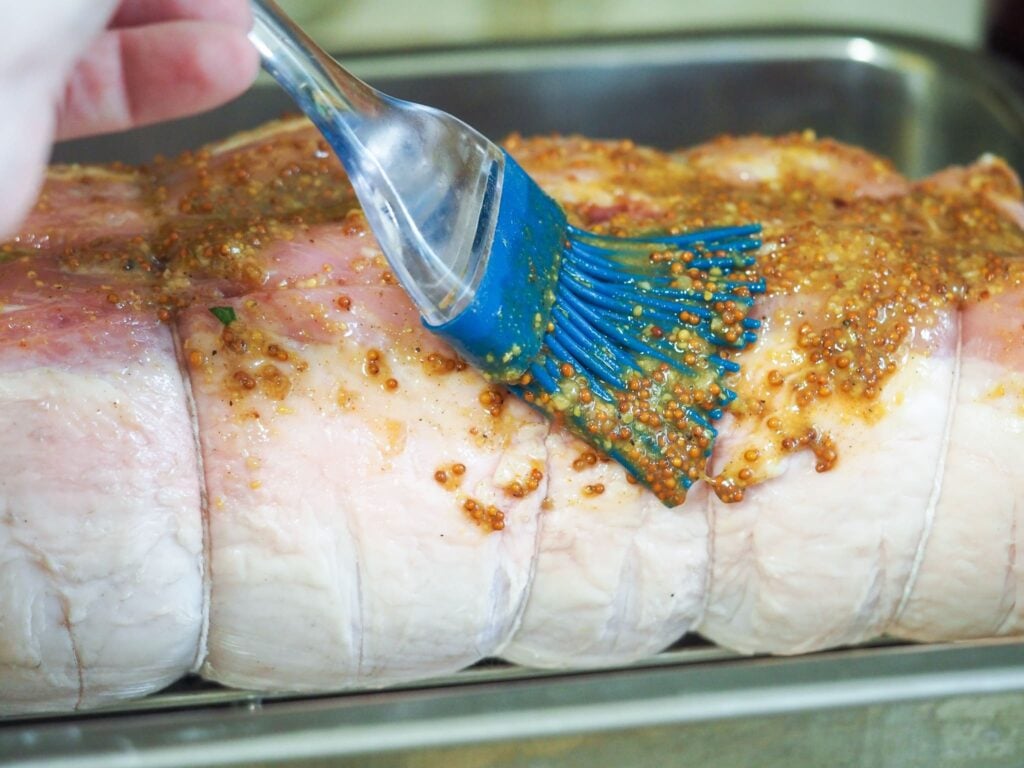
(858, 267)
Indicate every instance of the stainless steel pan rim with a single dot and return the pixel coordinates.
(921, 103)
(259, 728)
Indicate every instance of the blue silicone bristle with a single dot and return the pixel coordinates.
(604, 271)
(627, 341)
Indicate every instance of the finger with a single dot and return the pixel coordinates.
(27, 141)
(135, 13)
(158, 72)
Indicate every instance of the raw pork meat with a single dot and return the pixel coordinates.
(230, 446)
(101, 531)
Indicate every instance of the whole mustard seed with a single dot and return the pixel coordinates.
(587, 458)
(493, 400)
(435, 363)
(450, 476)
(522, 487)
(372, 364)
(488, 517)
(244, 380)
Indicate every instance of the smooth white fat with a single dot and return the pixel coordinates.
(971, 573)
(619, 575)
(811, 560)
(100, 535)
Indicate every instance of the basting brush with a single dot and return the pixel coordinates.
(626, 341)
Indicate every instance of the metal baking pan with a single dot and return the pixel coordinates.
(924, 105)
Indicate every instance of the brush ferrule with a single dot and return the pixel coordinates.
(502, 329)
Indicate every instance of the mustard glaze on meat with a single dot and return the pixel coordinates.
(859, 263)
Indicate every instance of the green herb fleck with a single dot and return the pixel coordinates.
(225, 314)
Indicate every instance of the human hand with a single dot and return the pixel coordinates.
(157, 60)
(72, 68)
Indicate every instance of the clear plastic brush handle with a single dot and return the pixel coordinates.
(429, 184)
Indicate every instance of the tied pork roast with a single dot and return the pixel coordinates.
(229, 446)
